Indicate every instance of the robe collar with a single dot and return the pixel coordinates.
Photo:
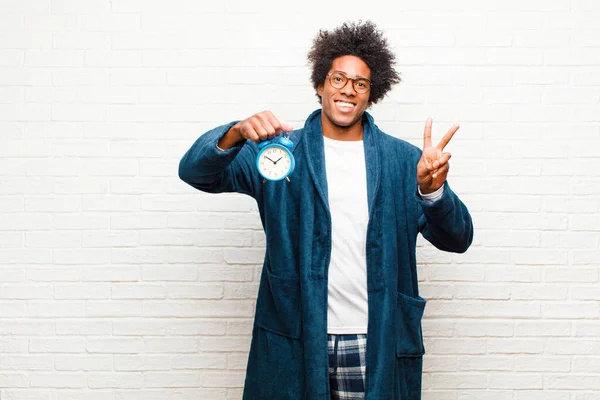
(313, 143)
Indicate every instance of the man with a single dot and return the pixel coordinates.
(338, 314)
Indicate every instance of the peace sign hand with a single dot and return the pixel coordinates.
(433, 166)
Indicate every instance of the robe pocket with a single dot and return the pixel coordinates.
(278, 306)
(409, 337)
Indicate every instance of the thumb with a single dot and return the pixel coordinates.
(286, 127)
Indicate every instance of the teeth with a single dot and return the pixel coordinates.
(344, 104)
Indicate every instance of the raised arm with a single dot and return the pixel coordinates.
(446, 222)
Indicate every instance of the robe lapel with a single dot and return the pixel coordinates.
(315, 155)
(372, 158)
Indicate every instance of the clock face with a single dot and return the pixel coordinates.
(274, 163)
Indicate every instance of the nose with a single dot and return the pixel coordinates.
(348, 88)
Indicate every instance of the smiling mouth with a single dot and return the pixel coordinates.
(344, 105)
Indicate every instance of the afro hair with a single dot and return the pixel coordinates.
(358, 39)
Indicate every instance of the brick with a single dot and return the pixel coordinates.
(87, 362)
(14, 380)
(555, 274)
(539, 292)
(30, 362)
(586, 364)
(198, 308)
(83, 327)
(159, 394)
(26, 328)
(458, 381)
(474, 291)
(52, 239)
(456, 346)
(514, 346)
(111, 274)
(491, 329)
(572, 382)
(122, 380)
(170, 273)
(585, 328)
(571, 310)
(138, 255)
(484, 395)
(138, 221)
(112, 308)
(138, 291)
(484, 363)
(433, 363)
(144, 362)
(204, 327)
(174, 379)
(25, 291)
(70, 345)
(196, 291)
(170, 345)
(115, 345)
(78, 291)
(516, 381)
(58, 308)
(13, 345)
(533, 363)
(542, 328)
(110, 239)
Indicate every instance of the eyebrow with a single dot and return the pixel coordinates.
(346, 74)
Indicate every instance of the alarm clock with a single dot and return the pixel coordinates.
(274, 160)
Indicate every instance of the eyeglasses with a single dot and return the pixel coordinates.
(339, 80)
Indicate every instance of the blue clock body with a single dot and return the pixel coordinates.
(271, 153)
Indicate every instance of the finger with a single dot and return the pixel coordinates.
(429, 165)
(424, 165)
(447, 137)
(269, 128)
(248, 131)
(286, 127)
(443, 160)
(259, 129)
(427, 133)
(443, 171)
(278, 125)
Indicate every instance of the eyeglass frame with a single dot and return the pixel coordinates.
(329, 75)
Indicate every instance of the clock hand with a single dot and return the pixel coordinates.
(277, 160)
(274, 162)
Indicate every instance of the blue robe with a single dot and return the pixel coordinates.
(288, 355)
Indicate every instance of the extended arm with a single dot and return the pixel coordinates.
(209, 169)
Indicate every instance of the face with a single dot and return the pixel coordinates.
(343, 108)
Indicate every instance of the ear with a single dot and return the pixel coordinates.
(320, 89)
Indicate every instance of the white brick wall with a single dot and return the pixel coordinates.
(119, 282)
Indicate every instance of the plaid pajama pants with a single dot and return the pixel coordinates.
(347, 366)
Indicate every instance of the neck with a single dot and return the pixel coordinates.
(343, 133)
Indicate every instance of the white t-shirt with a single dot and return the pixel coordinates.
(347, 302)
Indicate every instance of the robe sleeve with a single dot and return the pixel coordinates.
(446, 223)
(211, 170)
